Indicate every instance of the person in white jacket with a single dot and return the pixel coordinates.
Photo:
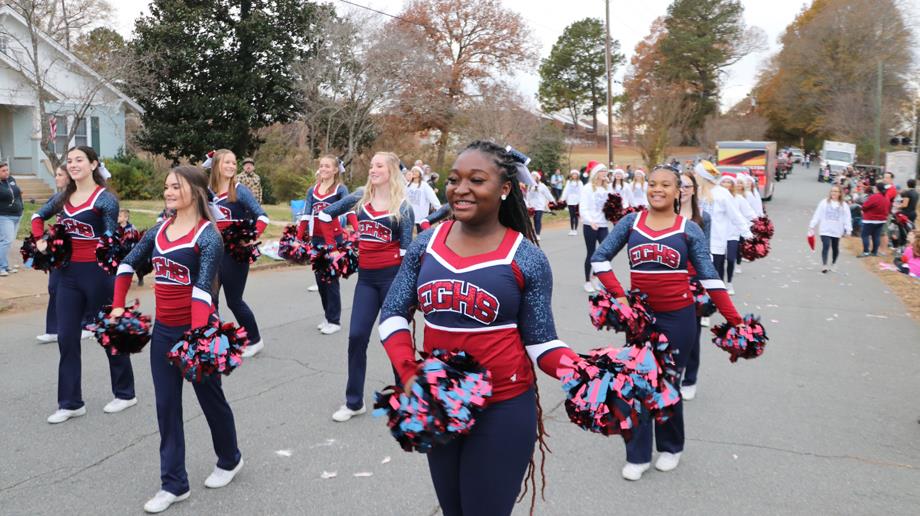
(420, 195)
(538, 198)
(832, 216)
(727, 221)
(571, 196)
(752, 194)
(638, 190)
(594, 223)
(747, 211)
(620, 187)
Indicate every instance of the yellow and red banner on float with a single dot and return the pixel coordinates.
(754, 159)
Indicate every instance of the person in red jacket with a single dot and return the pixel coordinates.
(874, 211)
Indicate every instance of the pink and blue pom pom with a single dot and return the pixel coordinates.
(209, 350)
(746, 341)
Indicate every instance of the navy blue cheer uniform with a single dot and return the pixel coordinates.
(382, 242)
(183, 271)
(693, 358)
(497, 307)
(658, 264)
(81, 287)
(233, 274)
(314, 203)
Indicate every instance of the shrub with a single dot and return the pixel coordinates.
(134, 178)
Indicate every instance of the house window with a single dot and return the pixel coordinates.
(94, 132)
(80, 135)
(4, 42)
(60, 140)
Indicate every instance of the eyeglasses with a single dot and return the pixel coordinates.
(686, 187)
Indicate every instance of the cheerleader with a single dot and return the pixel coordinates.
(327, 191)
(660, 246)
(420, 195)
(61, 179)
(571, 196)
(621, 187)
(752, 194)
(591, 208)
(638, 190)
(235, 203)
(833, 217)
(538, 199)
(737, 189)
(727, 221)
(690, 210)
(186, 252)
(88, 211)
(487, 250)
(385, 221)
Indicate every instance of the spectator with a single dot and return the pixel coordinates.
(874, 214)
(909, 262)
(556, 183)
(833, 217)
(629, 172)
(908, 204)
(250, 179)
(891, 190)
(10, 213)
(430, 177)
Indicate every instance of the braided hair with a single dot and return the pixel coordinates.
(512, 212)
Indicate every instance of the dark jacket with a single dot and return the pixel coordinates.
(10, 198)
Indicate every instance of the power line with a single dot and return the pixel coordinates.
(395, 17)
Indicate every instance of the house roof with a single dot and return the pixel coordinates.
(9, 11)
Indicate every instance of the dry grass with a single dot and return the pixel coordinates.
(906, 287)
(623, 156)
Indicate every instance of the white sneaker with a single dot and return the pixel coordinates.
(4, 274)
(47, 338)
(330, 328)
(162, 500)
(62, 415)
(573, 233)
(730, 289)
(667, 461)
(313, 288)
(221, 477)
(704, 322)
(252, 349)
(688, 392)
(634, 471)
(737, 269)
(589, 288)
(344, 413)
(834, 269)
(85, 334)
(538, 238)
(322, 324)
(118, 404)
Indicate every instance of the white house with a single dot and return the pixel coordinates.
(70, 84)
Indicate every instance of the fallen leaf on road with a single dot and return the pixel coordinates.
(328, 474)
(735, 456)
(327, 442)
(877, 316)
(774, 321)
(363, 474)
(283, 453)
(829, 319)
(772, 306)
(386, 460)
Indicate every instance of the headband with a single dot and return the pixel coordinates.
(520, 162)
(104, 172)
(208, 160)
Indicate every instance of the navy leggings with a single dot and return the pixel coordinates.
(167, 386)
(592, 238)
(370, 291)
(720, 262)
(669, 436)
(537, 222)
(573, 217)
(738, 252)
(329, 294)
(829, 243)
(233, 276)
(54, 279)
(481, 473)
(693, 357)
(82, 287)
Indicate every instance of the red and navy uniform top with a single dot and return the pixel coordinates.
(314, 203)
(495, 306)
(85, 223)
(245, 207)
(183, 270)
(382, 236)
(658, 263)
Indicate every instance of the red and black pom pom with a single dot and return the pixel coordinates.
(613, 208)
(449, 391)
(208, 350)
(56, 255)
(746, 341)
(755, 248)
(125, 334)
(331, 261)
(240, 240)
(291, 248)
(558, 205)
(763, 228)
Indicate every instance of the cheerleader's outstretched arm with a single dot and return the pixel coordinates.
(406, 225)
(706, 273)
(341, 207)
(142, 252)
(44, 213)
(245, 197)
(210, 249)
(440, 214)
(610, 247)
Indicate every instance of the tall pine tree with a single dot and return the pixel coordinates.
(219, 69)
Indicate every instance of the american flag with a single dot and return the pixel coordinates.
(52, 125)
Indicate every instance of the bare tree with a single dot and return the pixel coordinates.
(661, 113)
(499, 113)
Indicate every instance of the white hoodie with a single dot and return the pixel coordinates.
(591, 207)
(422, 199)
(726, 220)
(571, 194)
(746, 211)
(833, 217)
(538, 197)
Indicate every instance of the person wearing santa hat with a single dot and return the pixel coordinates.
(752, 195)
(621, 187)
(727, 222)
(591, 207)
(746, 210)
(638, 190)
(537, 199)
(571, 196)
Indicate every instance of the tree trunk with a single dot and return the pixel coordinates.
(442, 148)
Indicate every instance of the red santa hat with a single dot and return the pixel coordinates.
(594, 167)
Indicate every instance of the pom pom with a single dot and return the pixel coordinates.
(557, 206)
(291, 248)
(335, 261)
(636, 319)
(56, 255)
(212, 349)
(747, 341)
(613, 208)
(240, 240)
(449, 390)
(755, 248)
(611, 391)
(126, 334)
(705, 307)
(110, 251)
(763, 228)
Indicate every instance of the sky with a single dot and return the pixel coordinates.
(630, 22)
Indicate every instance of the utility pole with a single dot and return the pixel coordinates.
(609, 88)
(878, 113)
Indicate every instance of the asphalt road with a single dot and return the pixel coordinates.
(824, 423)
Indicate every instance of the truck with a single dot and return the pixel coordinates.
(903, 164)
(836, 156)
(759, 157)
